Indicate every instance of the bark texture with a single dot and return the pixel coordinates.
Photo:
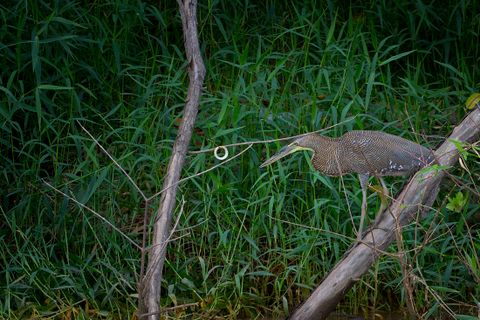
(150, 284)
(416, 196)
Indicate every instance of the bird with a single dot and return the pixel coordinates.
(364, 152)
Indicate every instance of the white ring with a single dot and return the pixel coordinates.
(225, 156)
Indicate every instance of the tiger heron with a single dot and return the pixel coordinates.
(367, 153)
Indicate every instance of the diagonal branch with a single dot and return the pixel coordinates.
(418, 194)
(149, 287)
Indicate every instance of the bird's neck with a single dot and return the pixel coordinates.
(326, 155)
(319, 143)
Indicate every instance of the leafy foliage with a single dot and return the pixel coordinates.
(250, 243)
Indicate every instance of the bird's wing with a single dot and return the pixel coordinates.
(379, 153)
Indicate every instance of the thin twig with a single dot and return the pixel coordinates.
(114, 161)
(165, 310)
(96, 214)
(339, 235)
(200, 173)
(182, 306)
(271, 140)
(433, 293)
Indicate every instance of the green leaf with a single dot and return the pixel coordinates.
(222, 132)
(396, 57)
(53, 87)
(473, 100)
(260, 274)
(38, 107)
(36, 58)
(461, 150)
(465, 317)
(457, 203)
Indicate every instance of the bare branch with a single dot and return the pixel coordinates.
(96, 214)
(149, 286)
(114, 161)
(200, 173)
(273, 140)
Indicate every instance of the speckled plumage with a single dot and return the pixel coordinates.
(365, 152)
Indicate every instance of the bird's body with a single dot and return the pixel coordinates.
(367, 153)
(374, 153)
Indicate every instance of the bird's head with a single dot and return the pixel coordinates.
(301, 143)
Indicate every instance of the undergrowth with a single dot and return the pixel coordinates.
(250, 243)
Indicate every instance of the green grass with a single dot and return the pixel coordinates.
(250, 242)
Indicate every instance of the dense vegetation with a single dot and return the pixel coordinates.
(250, 242)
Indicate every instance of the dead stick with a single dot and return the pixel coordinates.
(149, 287)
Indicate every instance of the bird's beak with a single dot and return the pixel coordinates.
(285, 151)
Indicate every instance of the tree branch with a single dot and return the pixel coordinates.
(150, 284)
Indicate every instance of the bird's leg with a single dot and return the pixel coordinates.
(363, 184)
(383, 201)
(384, 197)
